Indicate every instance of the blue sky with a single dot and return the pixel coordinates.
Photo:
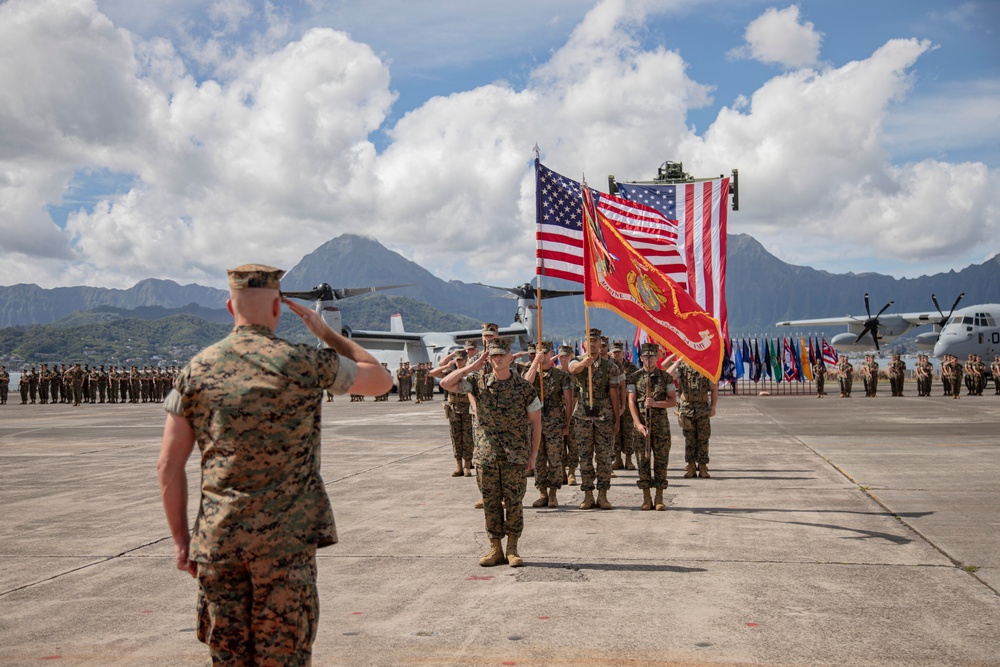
(232, 131)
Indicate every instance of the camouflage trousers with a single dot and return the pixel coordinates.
(845, 385)
(820, 381)
(551, 453)
(461, 434)
(625, 438)
(871, 386)
(570, 455)
(697, 430)
(653, 475)
(502, 482)
(595, 441)
(262, 613)
(896, 385)
(955, 381)
(923, 386)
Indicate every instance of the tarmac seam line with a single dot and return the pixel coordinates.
(82, 567)
(387, 463)
(867, 491)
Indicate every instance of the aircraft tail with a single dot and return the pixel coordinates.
(396, 324)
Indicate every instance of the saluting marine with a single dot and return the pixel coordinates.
(897, 370)
(555, 387)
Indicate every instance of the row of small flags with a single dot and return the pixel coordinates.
(777, 359)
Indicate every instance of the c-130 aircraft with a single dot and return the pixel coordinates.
(398, 345)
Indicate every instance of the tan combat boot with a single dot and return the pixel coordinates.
(703, 471)
(543, 499)
(458, 469)
(468, 467)
(689, 470)
(588, 500)
(495, 556)
(479, 504)
(602, 500)
(553, 501)
(628, 462)
(659, 501)
(617, 463)
(512, 558)
(647, 501)
(571, 477)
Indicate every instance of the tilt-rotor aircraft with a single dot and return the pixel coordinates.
(398, 345)
(969, 330)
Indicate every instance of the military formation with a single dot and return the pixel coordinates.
(974, 375)
(74, 384)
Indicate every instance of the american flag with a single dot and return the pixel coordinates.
(559, 236)
(700, 211)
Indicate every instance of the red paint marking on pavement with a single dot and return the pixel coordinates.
(751, 625)
(477, 577)
(51, 657)
(508, 663)
(543, 618)
(356, 613)
(146, 611)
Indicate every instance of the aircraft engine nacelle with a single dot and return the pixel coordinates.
(845, 342)
(927, 341)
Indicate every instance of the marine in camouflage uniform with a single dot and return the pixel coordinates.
(869, 373)
(650, 393)
(980, 376)
(696, 401)
(113, 385)
(625, 438)
(953, 369)
(595, 420)
(897, 369)
(44, 383)
(458, 411)
(73, 381)
(819, 377)
(995, 370)
(4, 384)
(251, 403)
(420, 382)
(924, 372)
(33, 384)
(55, 384)
(555, 388)
(508, 434)
(571, 456)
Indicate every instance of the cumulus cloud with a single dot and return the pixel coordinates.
(777, 37)
(269, 155)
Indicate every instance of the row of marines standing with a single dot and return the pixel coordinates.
(974, 372)
(76, 385)
(596, 434)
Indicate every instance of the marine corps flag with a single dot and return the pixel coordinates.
(616, 277)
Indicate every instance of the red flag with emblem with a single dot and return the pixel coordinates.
(617, 278)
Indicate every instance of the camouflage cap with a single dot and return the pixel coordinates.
(544, 347)
(617, 346)
(650, 348)
(471, 345)
(491, 328)
(255, 276)
(566, 349)
(499, 346)
(595, 333)
(532, 348)
(461, 354)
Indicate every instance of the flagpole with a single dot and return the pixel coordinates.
(538, 343)
(590, 368)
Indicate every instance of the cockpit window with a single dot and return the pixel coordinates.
(990, 322)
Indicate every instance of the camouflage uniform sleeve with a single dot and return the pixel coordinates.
(335, 373)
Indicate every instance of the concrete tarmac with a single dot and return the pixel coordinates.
(834, 532)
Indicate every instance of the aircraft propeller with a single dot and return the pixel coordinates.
(529, 292)
(943, 318)
(871, 324)
(323, 292)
